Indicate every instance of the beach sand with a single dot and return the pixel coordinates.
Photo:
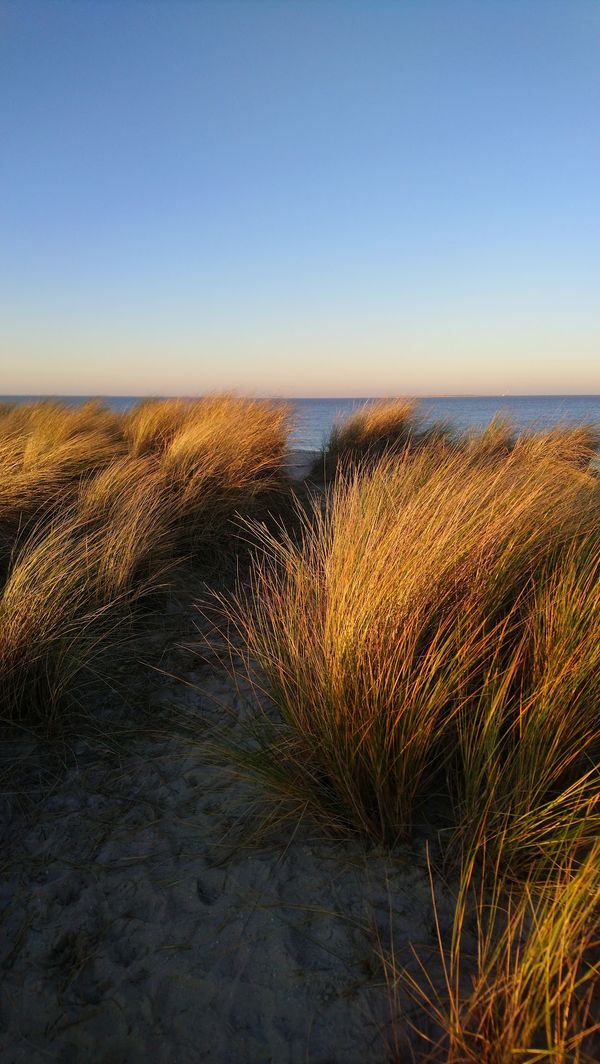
(144, 919)
(299, 463)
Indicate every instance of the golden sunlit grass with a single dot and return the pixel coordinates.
(406, 607)
(226, 457)
(527, 773)
(428, 634)
(431, 642)
(151, 424)
(517, 977)
(95, 505)
(60, 603)
(386, 427)
(379, 427)
(45, 451)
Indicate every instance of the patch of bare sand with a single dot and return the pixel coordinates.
(299, 463)
(138, 922)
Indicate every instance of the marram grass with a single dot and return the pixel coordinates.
(95, 507)
(430, 645)
(516, 978)
(428, 634)
(403, 637)
(379, 427)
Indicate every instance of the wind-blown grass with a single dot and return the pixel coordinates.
(227, 458)
(526, 991)
(385, 426)
(528, 771)
(61, 605)
(151, 424)
(406, 605)
(94, 507)
(394, 426)
(45, 452)
(431, 643)
(428, 633)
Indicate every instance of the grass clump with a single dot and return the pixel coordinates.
(151, 424)
(405, 607)
(430, 645)
(394, 426)
(227, 458)
(528, 772)
(516, 979)
(63, 603)
(575, 445)
(46, 450)
(386, 426)
(96, 506)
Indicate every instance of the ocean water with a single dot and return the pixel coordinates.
(314, 418)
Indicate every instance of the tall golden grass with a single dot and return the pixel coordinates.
(431, 641)
(379, 427)
(529, 742)
(389, 633)
(45, 451)
(393, 426)
(518, 976)
(62, 601)
(428, 629)
(94, 505)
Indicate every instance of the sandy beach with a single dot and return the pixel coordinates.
(144, 918)
(267, 792)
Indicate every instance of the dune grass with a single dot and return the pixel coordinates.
(45, 451)
(385, 426)
(96, 506)
(403, 612)
(393, 426)
(430, 647)
(427, 632)
(530, 742)
(60, 605)
(227, 458)
(515, 979)
(151, 424)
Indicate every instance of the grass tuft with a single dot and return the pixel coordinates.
(385, 426)
(517, 979)
(95, 506)
(398, 630)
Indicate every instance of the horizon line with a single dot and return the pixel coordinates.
(234, 392)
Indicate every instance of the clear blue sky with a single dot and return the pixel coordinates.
(312, 198)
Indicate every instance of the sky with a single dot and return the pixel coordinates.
(299, 198)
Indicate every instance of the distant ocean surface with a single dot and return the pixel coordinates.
(314, 418)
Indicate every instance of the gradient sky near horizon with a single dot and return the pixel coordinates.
(318, 198)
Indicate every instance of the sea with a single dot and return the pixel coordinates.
(313, 419)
